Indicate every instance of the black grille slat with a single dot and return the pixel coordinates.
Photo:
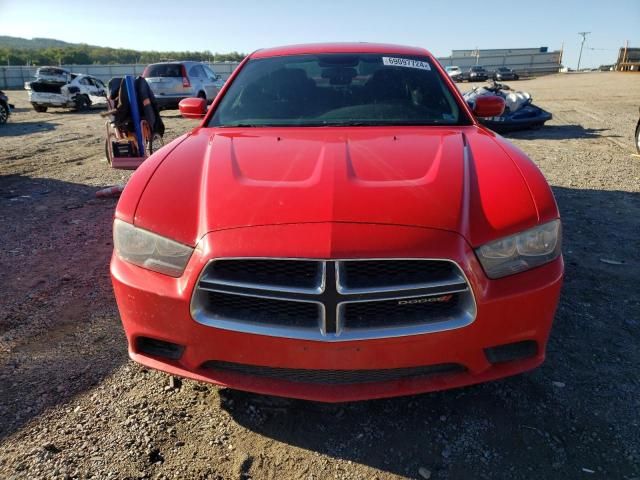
(334, 377)
(277, 273)
(390, 313)
(263, 310)
(371, 274)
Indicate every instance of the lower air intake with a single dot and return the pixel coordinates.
(512, 351)
(334, 377)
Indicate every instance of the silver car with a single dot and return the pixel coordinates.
(454, 72)
(173, 81)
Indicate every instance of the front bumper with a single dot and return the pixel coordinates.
(514, 309)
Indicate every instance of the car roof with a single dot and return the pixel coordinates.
(166, 62)
(78, 76)
(353, 47)
(50, 67)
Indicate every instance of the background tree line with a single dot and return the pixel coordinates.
(40, 51)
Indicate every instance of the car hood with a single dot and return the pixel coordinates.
(455, 179)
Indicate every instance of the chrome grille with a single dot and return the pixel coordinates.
(333, 300)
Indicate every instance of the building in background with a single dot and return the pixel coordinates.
(628, 59)
(526, 61)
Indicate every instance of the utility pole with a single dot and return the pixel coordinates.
(584, 37)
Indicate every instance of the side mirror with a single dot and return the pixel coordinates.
(488, 106)
(193, 107)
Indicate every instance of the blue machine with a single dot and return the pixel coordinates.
(135, 112)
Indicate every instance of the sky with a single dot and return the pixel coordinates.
(244, 26)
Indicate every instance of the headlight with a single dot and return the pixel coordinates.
(148, 250)
(522, 251)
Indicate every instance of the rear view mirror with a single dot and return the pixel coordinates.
(488, 106)
(193, 107)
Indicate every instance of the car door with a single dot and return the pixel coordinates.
(199, 80)
(213, 82)
(86, 87)
(97, 91)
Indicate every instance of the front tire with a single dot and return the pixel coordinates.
(39, 108)
(638, 137)
(82, 103)
(4, 113)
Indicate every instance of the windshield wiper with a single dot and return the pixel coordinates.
(351, 123)
(381, 123)
(241, 125)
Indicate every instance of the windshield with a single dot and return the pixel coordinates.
(163, 70)
(337, 90)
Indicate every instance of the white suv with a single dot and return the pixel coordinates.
(66, 90)
(173, 81)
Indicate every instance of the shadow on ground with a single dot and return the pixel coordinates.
(19, 110)
(60, 332)
(560, 132)
(16, 129)
(575, 412)
(93, 110)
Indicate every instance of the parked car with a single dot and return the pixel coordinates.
(174, 81)
(5, 108)
(67, 90)
(53, 74)
(476, 74)
(504, 73)
(455, 73)
(338, 227)
(638, 136)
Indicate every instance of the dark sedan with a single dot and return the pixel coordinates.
(638, 136)
(476, 74)
(504, 73)
(5, 108)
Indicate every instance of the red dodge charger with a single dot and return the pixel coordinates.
(338, 227)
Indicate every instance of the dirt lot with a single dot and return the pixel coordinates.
(73, 406)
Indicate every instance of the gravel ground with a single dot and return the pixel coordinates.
(73, 406)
